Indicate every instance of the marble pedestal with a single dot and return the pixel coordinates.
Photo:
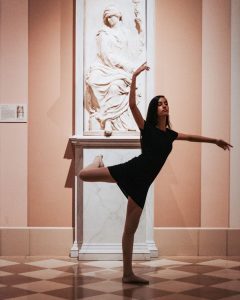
(100, 208)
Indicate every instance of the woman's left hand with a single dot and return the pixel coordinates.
(224, 145)
(140, 69)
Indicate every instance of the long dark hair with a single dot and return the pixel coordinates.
(152, 116)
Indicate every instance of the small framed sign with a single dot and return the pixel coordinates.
(16, 113)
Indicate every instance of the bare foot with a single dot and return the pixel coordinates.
(133, 279)
(98, 161)
(101, 164)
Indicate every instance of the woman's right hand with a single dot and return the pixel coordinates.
(224, 145)
(141, 69)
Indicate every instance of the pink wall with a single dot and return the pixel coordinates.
(216, 111)
(192, 44)
(178, 77)
(13, 89)
(234, 209)
(50, 111)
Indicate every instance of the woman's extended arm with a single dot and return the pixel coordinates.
(202, 139)
(132, 97)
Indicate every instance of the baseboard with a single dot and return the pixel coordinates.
(57, 241)
(35, 241)
(197, 241)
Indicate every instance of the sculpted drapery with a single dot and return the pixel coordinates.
(108, 79)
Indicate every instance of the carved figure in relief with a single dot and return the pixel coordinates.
(108, 79)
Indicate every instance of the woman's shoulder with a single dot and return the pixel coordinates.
(146, 126)
(172, 133)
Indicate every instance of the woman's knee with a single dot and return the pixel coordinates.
(130, 230)
(94, 175)
(83, 175)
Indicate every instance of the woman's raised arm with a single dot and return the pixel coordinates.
(132, 97)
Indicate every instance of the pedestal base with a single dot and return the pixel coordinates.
(74, 250)
(100, 208)
(141, 251)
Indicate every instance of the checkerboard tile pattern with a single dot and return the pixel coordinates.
(171, 278)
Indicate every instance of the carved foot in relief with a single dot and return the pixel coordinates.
(108, 129)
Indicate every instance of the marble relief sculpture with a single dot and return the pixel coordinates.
(108, 79)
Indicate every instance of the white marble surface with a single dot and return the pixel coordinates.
(104, 204)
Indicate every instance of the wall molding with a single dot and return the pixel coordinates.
(170, 241)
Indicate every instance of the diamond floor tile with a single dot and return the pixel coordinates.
(199, 269)
(164, 263)
(108, 286)
(203, 279)
(44, 274)
(78, 269)
(104, 264)
(41, 286)
(108, 297)
(233, 285)
(141, 293)
(210, 293)
(170, 278)
(4, 263)
(74, 293)
(38, 296)
(76, 280)
(179, 297)
(3, 273)
(222, 263)
(105, 274)
(235, 297)
(175, 286)
(11, 292)
(20, 268)
(225, 273)
(170, 274)
(14, 279)
(51, 263)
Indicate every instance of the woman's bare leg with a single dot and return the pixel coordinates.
(132, 220)
(96, 172)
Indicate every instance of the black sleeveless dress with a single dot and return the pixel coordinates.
(135, 176)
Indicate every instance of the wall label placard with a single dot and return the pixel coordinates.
(16, 113)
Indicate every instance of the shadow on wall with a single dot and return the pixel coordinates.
(69, 154)
(174, 209)
(70, 180)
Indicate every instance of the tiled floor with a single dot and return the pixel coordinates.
(171, 278)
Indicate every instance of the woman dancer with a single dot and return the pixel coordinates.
(135, 176)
